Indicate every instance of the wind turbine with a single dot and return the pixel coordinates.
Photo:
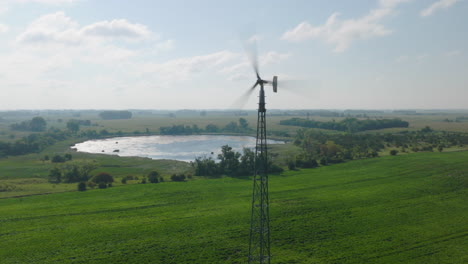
(259, 245)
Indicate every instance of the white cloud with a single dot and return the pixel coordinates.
(183, 68)
(3, 28)
(441, 4)
(342, 33)
(59, 28)
(119, 28)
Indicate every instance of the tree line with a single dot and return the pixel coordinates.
(241, 126)
(230, 163)
(325, 148)
(37, 124)
(347, 124)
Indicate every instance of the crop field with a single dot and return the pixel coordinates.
(394, 209)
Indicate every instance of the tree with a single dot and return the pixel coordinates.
(82, 186)
(243, 124)
(103, 177)
(153, 177)
(109, 115)
(58, 159)
(247, 162)
(229, 161)
(68, 156)
(176, 177)
(73, 126)
(55, 175)
(38, 124)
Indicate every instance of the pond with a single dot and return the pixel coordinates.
(183, 148)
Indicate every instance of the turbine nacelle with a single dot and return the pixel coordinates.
(273, 83)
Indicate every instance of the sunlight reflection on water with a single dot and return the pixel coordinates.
(183, 148)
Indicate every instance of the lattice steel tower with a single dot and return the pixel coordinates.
(259, 246)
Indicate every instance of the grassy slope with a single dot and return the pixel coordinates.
(399, 209)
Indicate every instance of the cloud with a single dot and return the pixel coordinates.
(119, 28)
(3, 28)
(183, 68)
(342, 33)
(441, 4)
(61, 29)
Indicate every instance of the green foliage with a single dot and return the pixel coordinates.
(178, 178)
(72, 172)
(336, 148)
(37, 124)
(347, 124)
(229, 161)
(103, 177)
(153, 177)
(82, 186)
(55, 175)
(111, 115)
(58, 159)
(231, 127)
(73, 126)
(393, 152)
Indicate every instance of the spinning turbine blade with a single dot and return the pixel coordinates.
(242, 100)
(251, 50)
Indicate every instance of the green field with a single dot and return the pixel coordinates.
(395, 209)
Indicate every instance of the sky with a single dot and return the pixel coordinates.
(149, 54)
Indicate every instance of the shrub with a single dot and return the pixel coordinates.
(58, 159)
(153, 177)
(82, 186)
(102, 185)
(103, 177)
(176, 177)
(275, 169)
(393, 152)
(124, 180)
(68, 156)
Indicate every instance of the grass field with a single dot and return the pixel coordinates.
(394, 209)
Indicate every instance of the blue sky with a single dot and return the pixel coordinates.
(116, 54)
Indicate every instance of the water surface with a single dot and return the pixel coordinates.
(184, 148)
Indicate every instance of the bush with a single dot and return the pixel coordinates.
(82, 186)
(124, 180)
(103, 177)
(275, 169)
(393, 152)
(58, 159)
(153, 177)
(102, 185)
(179, 178)
(68, 156)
